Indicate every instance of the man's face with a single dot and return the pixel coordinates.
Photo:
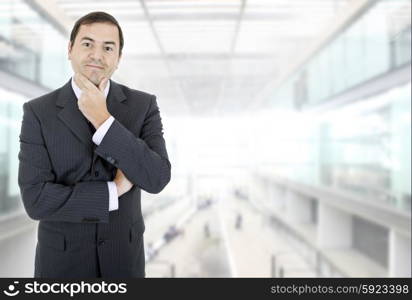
(95, 51)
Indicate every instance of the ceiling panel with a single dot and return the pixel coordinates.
(208, 49)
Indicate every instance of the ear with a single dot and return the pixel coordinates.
(69, 49)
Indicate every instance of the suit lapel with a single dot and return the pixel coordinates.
(116, 102)
(71, 116)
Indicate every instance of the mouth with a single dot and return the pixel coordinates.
(95, 67)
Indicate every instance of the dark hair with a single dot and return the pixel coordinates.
(96, 17)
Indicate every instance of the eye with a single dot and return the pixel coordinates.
(108, 48)
(86, 44)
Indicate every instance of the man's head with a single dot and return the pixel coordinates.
(95, 46)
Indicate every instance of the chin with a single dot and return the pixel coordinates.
(94, 79)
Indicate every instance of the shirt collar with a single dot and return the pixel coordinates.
(78, 91)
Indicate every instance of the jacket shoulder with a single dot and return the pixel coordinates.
(45, 100)
(136, 94)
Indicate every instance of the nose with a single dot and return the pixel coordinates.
(97, 55)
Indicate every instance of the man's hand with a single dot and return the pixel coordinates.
(122, 183)
(92, 102)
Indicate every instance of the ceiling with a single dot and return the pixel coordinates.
(210, 57)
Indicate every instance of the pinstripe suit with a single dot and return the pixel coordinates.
(63, 182)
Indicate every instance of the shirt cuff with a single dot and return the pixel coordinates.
(113, 198)
(102, 130)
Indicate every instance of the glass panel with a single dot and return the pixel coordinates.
(31, 47)
(10, 122)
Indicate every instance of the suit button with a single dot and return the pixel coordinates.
(96, 173)
(101, 242)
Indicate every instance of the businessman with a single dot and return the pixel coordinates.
(87, 150)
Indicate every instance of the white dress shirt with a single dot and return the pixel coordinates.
(97, 139)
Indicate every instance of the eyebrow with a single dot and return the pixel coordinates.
(92, 40)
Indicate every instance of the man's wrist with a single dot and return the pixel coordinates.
(102, 120)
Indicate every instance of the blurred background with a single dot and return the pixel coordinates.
(287, 122)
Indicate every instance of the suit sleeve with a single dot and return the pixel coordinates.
(143, 159)
(43, 198)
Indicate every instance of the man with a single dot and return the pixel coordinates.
(86, 151)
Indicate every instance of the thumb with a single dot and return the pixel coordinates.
(102, 84)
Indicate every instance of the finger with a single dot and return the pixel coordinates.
(102, 84)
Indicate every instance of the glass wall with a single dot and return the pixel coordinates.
(372, 45)
(368, 152)
(10, 121)
(30, 44)
(33, 49)
(376, 43)
(364, 148)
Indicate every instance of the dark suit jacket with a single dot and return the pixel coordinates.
(63, 182)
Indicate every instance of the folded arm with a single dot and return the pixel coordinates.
(43, 198)
(144, 159)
